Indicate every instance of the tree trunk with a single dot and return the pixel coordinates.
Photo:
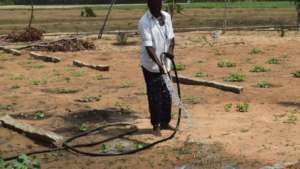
(298, 14)
(106, 18)
(225, 16)
(31, 16)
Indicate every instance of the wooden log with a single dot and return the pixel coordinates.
(45, 58)
(221, 86)
(92, 66)
(11, 51)
(35, 133)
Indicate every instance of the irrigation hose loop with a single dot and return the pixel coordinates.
(133, 129)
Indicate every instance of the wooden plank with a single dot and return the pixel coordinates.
(92, 66)
(221, 86)
(35, 133)
(45, 58)
(11, 51)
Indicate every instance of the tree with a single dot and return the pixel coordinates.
(31, 15)
(172, 7)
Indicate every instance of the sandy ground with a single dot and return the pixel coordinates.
(268, 133)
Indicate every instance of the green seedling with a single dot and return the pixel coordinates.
(242, 107)
(225, 63)
(255, 51)
(99, 77)
(273, 61)
(228, 107)
(201, 74)
(104, 148)
(235, 77)
(119, 147)
(296, 74)
(258, 69)
(264, 84)
(218, 53)
(192, 100)
(22, 162)
(180, 67)
(89, 99)
(39, 115)
(139, 145)
(122, 38)
(83, 127)
(62, 90)
(18, 77)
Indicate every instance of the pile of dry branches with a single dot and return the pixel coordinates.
(27, 35)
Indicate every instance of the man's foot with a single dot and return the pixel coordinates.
(156, 131)
(167, 127)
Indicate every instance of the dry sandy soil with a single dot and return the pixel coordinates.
(268, 133)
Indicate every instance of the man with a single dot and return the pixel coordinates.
(157, 37)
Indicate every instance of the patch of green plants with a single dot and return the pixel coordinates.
(77, 73)
(87, 99)
(201, 74)
(235, 77)
(228, 107)
(18, 77)
(218, 53)
(180, 67)
(87, 12)
(6, 107)
(264, 84)
(273, 61)
(104, 148)
(119, 147)
(22, 162)
(242, 107)
(296, 74)
(123, 107)
(38, 82)
(259, 68)
(99, 77)
(192, 100)
(39, 115)
(83, 127)
(127, 84)
(14, 87)
(289, 118)
(226, 63)
(62, 90)
(255, 51)
(122, 38)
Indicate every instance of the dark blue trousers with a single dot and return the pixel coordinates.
(159, 99)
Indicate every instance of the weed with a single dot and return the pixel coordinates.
(104, 148)
(127, 84)
(122, 38)
(62, 90)
(242, 107)
(173, 115)
(296, 74)
(14, 87)
(255, 51)
(264, 84)
(218, 53)
(3, 58)
(38, 82)
(289, 118)
(123, 107)
(235, 77)
(89, 99)
(258, 68)
(18, 77)
(22, 162)
(39, 115)
(6, 107)
(192, 100)
(273, 61)
(99, 77)
(139, 145)
(226, 63)
(228, 107)
(180, 67)
(201, 74)
(119, 147)
(83, 127)
(87, 12)
(77, 74)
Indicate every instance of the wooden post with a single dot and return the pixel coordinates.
(31, 15)
(106, 18)
(225, 16)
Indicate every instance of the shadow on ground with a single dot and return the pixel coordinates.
(290, 104)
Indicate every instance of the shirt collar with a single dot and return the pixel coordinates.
(150, 16)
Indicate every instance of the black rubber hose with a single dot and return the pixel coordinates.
(74, 148)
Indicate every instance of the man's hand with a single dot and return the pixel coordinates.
(169, 55)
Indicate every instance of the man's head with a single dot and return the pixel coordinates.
(155, 6)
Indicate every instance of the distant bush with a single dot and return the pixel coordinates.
(87, 12)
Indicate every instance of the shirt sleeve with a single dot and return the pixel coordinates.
(171, 34)
(145, 33)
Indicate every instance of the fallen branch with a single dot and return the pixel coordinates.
(45, 58)
(222, 86)
(92, 66)
(36, 133)
(12, 51)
